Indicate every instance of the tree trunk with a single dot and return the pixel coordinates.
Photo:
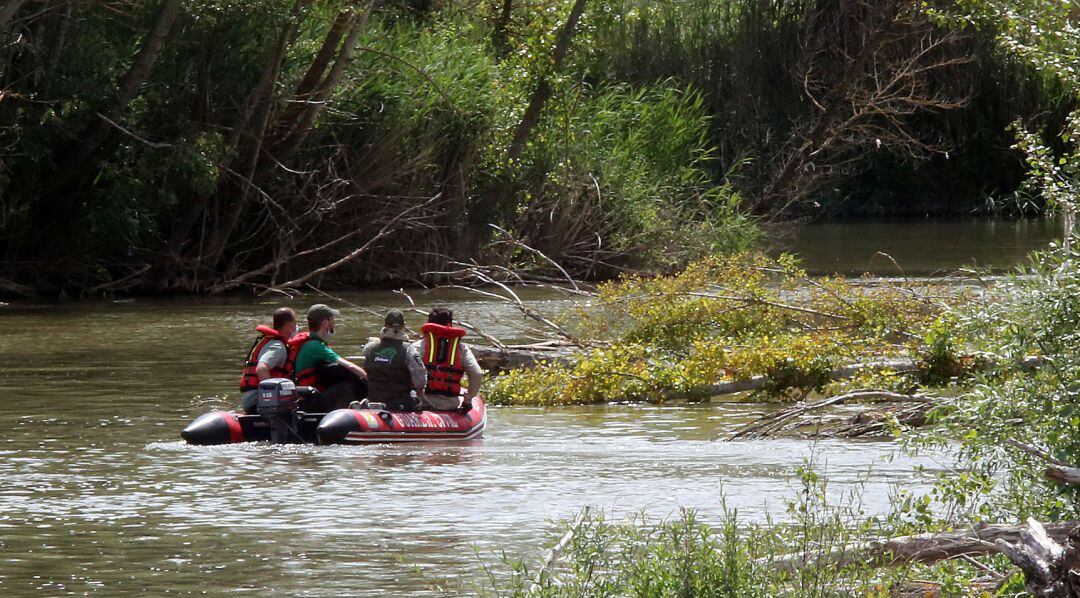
(485, 206)
(97, 132)
(8, 10)
(57, 50)
(542, 92)
(314, 73)
(499, 34)
(1052, 570)
(256, 105)
(918, 548)
(299, 130)
(262, 105)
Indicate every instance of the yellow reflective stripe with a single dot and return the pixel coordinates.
(431, 347)
(453, 351)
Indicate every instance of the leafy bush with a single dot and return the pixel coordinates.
(1034, 314)
(730, 318)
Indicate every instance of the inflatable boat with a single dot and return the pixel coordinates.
(281, 420)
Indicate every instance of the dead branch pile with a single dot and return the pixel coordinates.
(978, 540)
(794, 416)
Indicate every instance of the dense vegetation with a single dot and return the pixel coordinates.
(734, 319)
(209, 145)
(1012, 429)
(816, 545)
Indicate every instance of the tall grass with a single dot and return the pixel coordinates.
(618, 177)
(686, 556)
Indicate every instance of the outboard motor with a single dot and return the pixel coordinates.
(277, 405)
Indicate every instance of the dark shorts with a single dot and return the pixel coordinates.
(340, 387)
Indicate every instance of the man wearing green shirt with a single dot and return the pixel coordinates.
(339, 380)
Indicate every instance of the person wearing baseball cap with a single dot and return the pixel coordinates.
(338, 380)
(396, 375)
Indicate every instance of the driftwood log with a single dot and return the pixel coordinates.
(1051, 570)
(1063, 474)
(919, 548)
(512, 357)
(878, 421)
(1057, 470)
(793, 416)
(552, 557)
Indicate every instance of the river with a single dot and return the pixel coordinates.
(97, 494)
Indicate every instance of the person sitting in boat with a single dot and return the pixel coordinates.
(446, 358)
(338, 380)
(396, 376)
(267, 357)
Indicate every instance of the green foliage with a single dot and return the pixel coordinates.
(1055, 173)
(426, 106)
(617, 176)
(1043, 33)
(1033, 315)
(685, 556)
(744, 56)
(664, 115)
(732, 318)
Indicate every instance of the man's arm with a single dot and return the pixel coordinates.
(474, 373)
(359, 371)
(272, 356)
(417, 371)
(329, 356)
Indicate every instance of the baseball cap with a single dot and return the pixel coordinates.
(320, 312)
(394, 317)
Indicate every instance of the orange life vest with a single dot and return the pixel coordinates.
(249, 378)
(306, 377)
(443, 358)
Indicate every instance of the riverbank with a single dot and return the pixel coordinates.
(214, 148)
(892, 248)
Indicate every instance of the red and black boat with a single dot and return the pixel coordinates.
(372, 426)
(281, 420)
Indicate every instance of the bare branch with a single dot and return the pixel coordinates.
(387, 229)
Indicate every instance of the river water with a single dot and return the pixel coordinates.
(97, 494)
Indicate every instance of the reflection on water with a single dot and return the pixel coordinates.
(918, 248)
(98, 494)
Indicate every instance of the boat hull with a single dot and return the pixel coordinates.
(342, 426)
(367, 426)
(226, 427)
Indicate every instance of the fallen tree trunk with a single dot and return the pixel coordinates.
(875, 421)
(514, 357)
(759, 382)
(1057, 470)
(918, 548)
(1065, 475)
(1052, 570)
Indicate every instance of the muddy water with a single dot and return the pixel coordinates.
(917, 248)
(98, 495)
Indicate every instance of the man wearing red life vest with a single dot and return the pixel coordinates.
(267, 357)
(314, 363)
(447, 358)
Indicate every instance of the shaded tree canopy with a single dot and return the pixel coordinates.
(209, 146)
